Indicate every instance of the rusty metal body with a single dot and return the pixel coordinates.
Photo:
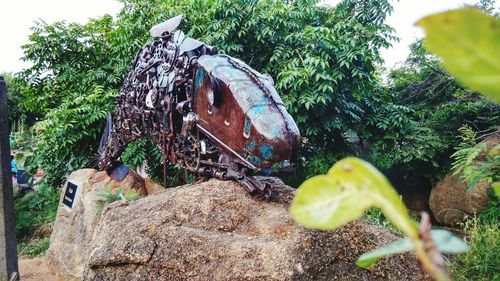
(211, 114)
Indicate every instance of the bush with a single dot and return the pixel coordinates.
(482, 260)
(35, 213)
(33, 248)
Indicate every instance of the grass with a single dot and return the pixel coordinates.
(35, 213)
(376, 217)
(34, 247)
(482, 261)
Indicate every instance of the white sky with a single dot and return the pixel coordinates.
(17, 16)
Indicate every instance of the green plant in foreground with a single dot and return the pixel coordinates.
(351, 187)
(468, 41)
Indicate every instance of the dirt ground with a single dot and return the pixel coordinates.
(37, 270)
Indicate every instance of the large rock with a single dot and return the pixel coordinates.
(73, 229)
(451, 203)
(216, 231)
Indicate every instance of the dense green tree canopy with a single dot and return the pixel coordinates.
(427, 106)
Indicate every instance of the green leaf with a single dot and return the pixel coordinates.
(496, 189)
(447, 242)
(396, 247)
(468, 41)
(323, 203)
(350, 188)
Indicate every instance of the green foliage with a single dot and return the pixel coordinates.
(437, 106)
(396, 247)
(492, 212)
(469, 51)
(33, 248)
(376, 216)
(321, 163)
(109, 196)
(445, 241)
(34, 212)
(70, 84)
(68, 139)
(482, 260)
(440, 104)
(350, 188)
(16, 114)
(145, 150)
(474, 161)
(344, 194)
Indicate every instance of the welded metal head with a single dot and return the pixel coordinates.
(166, 26)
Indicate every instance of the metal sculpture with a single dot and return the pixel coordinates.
(212, 114)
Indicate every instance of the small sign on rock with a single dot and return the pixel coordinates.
(70, 193)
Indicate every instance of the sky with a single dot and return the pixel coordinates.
(18, 16)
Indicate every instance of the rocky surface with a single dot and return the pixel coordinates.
(37, 270)
(216, 231)
(73, 229)
(451, 203)
(152, 187)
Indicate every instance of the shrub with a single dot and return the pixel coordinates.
(35, 213)
(34, 210)
(482, 260)
(33, 248)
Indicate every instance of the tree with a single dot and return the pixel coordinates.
(436, 106)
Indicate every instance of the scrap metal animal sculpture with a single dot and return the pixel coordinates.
(211, 114)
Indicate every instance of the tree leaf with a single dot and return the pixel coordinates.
(350, 188)
(399, 246)
(447, 242)
(324, 203)
(468, 41)
(496, 189)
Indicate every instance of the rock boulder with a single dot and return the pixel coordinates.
(73, 229)
(451, 203)
(216, 231)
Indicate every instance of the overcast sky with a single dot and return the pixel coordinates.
(17, 16)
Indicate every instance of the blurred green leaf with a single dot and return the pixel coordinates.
(468, 41)
(344, 194)
(447, 242)
(399, 246)
(496, 189)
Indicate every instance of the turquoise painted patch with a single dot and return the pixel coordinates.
(247, 127)
(198, 80)
(266, 151)
(250, 145)
(255, 160)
